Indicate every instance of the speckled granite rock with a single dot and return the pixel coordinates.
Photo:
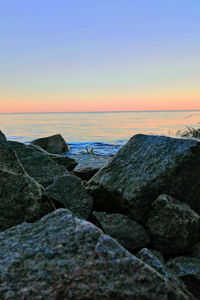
(52, 144)
(70, 191)
(36, 163)
(63, 257)
(144, 168)
(188, 269)
(127, 232)
(21, 197)
(2, 137)
(173, 226)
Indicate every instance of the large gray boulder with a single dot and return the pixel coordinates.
(70, 191)
(63, 257)
(21, 197)
(53, 144)
(127, 232)
(144, 168)
(2, 137)
(173, 226)
(187, 269)
(37, 164)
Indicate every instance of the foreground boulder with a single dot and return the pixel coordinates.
(69, 191)
(2, 137)
(187, 269)
(63, 257)
(21, 197)
(127, 232)
(53, 144)
(173, 226)
(144, 168)
(36, 163)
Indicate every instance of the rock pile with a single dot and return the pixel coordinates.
(147, 195)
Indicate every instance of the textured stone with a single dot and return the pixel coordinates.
(69, 191)
(173, 226)
(188, 269)
(63, 257)
(37, 164)
(144, 168)
(21, 197)
(2, 137)
(89, 165)
(53, 144)
(127, 232)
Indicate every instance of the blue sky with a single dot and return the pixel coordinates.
(99, 55)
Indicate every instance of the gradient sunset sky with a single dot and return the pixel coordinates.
(106, 55)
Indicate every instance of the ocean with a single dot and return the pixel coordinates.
(104, 132)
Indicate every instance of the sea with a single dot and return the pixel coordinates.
(103, 133)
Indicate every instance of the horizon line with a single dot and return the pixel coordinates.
(107, 111)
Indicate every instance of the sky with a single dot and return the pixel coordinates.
(108, 55)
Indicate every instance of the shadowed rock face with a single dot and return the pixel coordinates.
(2, 137)
(37, 164)
(127, 232)
(70, 191)
(53, 144)
(173, 226)
(144, 168)
(21, 197)
(63, 257)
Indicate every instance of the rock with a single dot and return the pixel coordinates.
(68, 162)
(156, 263)
(173, 226)
(63, 257)
(36, 163)
(69, 191)
(2, 137)
(53, 144)
(144, 168)
(188, 269)
(21, 197)
(127, 232)
(196, 250)
(89, 165)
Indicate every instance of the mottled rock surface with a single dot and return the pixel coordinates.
(63, 257)
(89, 165)
(173, 226)
(21, 197)
(2, 137)
(144, 168)
(188, 269)
(53, 144)
(70, 191)
(127, 232)
(37, 164)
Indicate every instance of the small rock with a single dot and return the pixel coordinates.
(53, 144)
(173, 226)
(69, 191)
(127, 232)
(2, 137)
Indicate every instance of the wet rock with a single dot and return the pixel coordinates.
(21, 197)
(89, 165)
(36, 163)
(173, 226)
(53, 144)
(127, 232)
(2, 137)
(63, 257)
(188, 269)
(144, 168)
(69, 191)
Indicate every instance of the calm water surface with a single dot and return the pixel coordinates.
(103, 131)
